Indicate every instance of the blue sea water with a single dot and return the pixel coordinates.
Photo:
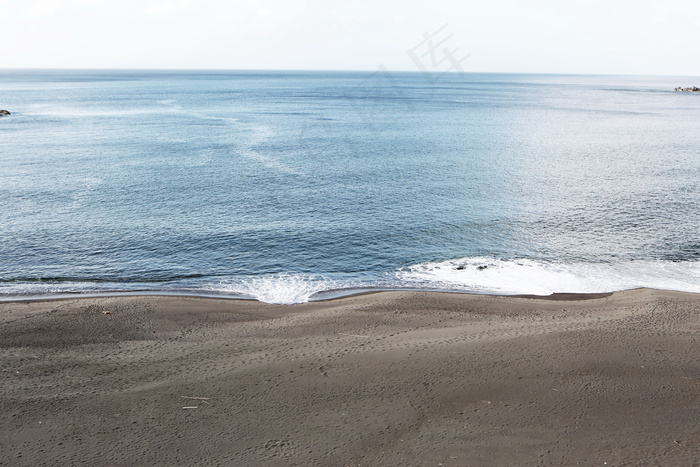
(290, 186)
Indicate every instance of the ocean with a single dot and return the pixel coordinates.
(294, 186)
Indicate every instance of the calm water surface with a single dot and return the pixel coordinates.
(286, 186)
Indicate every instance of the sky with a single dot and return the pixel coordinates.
(642, 37)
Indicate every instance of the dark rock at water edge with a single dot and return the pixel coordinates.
(4, 112)
(692, 89)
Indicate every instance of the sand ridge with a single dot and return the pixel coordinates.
(389, 378)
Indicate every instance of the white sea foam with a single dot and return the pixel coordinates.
(16, 289)
(284, 289)
(97, 112)
(259, 134)
(475, 274)
(255, 135)
(168, 106)
(524, 276)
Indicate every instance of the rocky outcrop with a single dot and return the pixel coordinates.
(693, 89)
(4, 112)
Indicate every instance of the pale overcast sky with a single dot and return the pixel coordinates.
(533, 36)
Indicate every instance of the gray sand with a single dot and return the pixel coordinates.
(390, 378)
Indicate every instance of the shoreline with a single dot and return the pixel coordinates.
(335, 295)
(384, 378)
(477, 275)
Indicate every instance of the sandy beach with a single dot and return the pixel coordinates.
(388, 378)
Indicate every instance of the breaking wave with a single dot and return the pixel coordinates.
(525, 276)
(283, 289)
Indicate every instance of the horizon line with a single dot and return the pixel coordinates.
(309, 70)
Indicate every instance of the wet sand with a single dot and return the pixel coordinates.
(390, 378)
